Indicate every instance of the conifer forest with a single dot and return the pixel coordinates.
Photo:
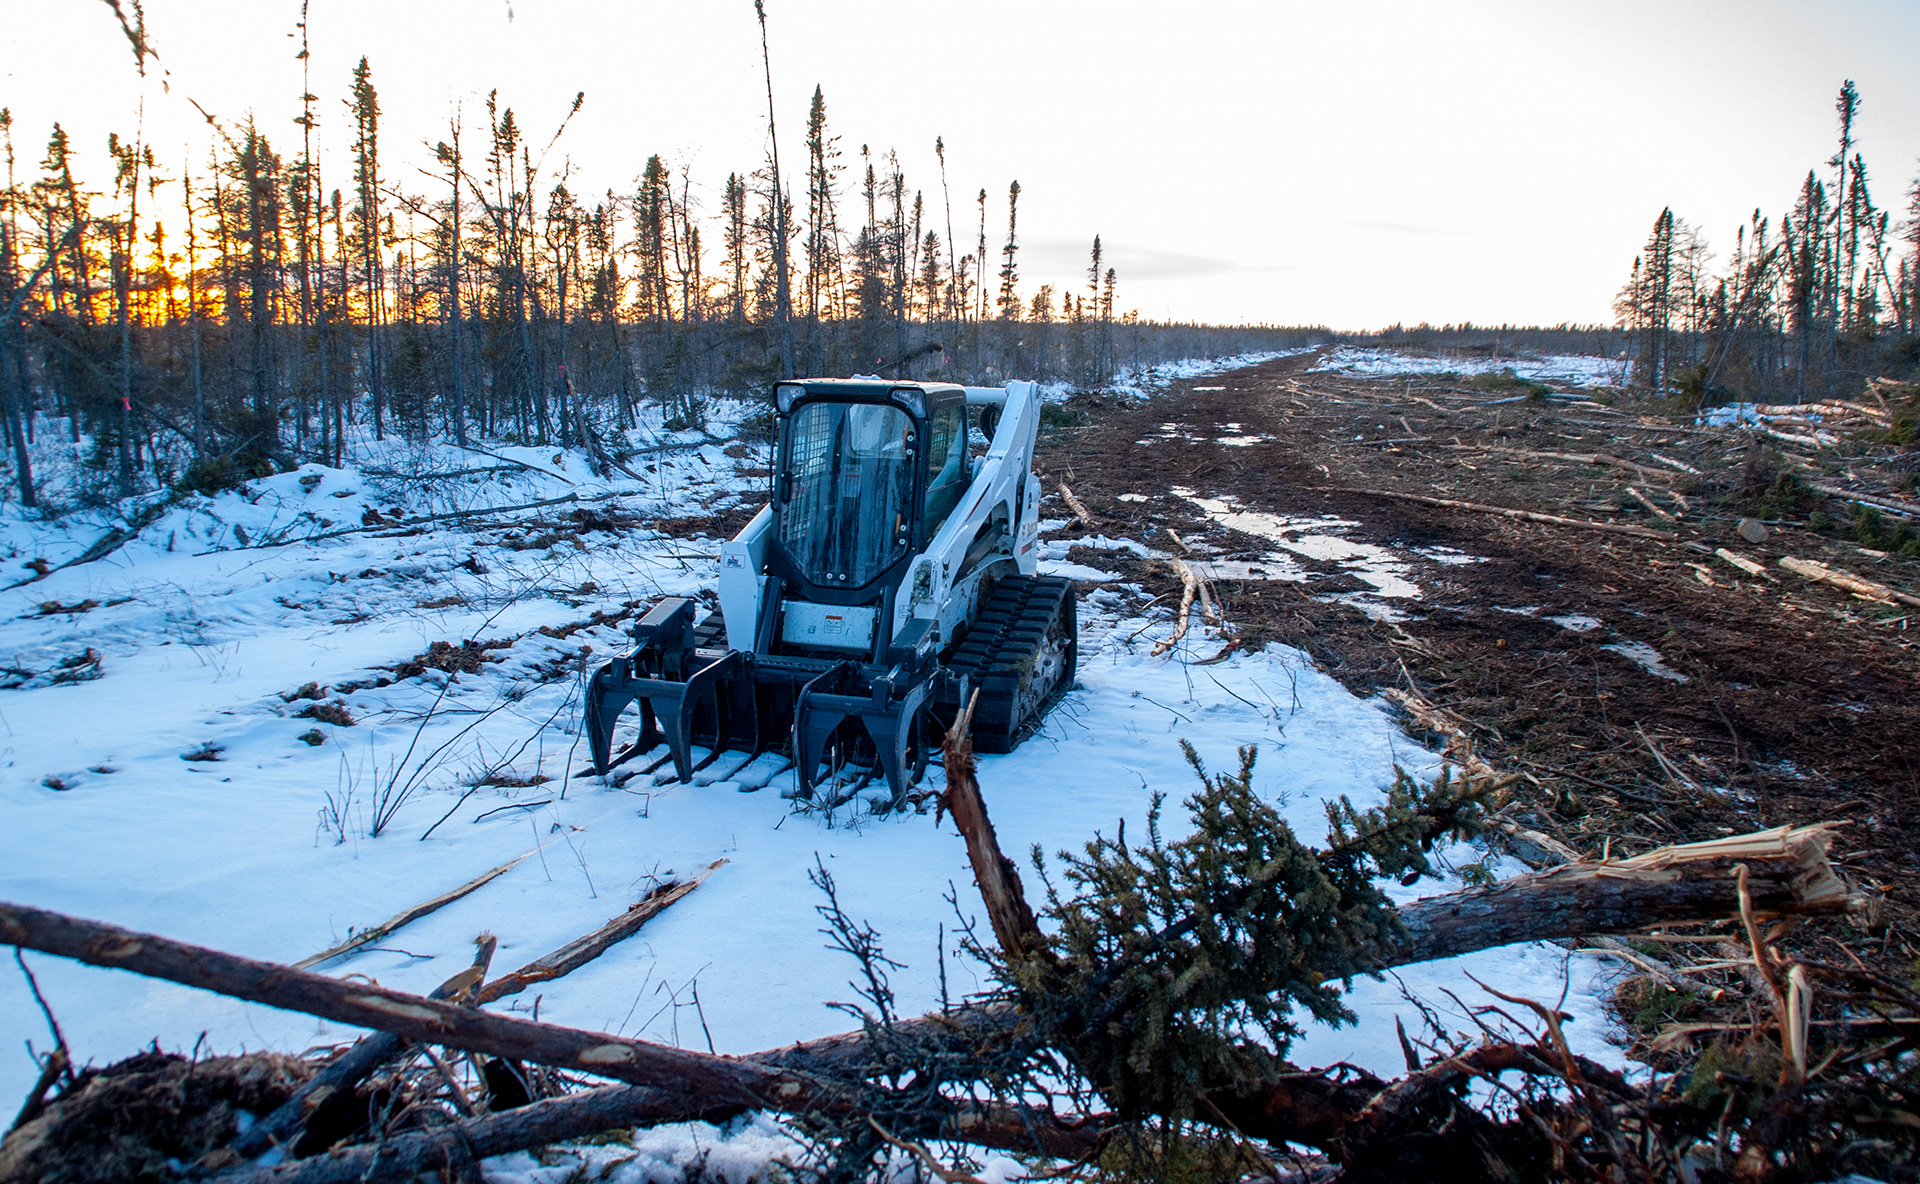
(817, 696)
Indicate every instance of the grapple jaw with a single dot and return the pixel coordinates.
(735, 700)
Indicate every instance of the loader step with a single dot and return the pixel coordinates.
(1021, 651)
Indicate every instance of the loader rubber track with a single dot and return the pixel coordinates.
(1020, 652)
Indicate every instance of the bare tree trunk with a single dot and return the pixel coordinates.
(12, 358)
(783, 298)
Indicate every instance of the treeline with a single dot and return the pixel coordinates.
(201, 323)
(1806, 310)
(1495, 341)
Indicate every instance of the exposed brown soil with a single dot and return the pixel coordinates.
(1800, 700)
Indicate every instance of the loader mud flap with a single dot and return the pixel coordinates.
(713, 707)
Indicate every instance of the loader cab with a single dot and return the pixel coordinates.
(865, 473)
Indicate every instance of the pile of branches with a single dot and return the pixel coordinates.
(1140, 1033)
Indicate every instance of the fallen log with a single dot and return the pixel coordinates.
(346, 1071)
(1074, 504)
(1910, 509)
(1641, 532)
(1744, 564)
(1585, 458)
(1837, 408)
(702, 1080)
(404, 523)
(1858, 585)
(1189, 589)
(1648, 502)
(590, 1112)
(1788, 874)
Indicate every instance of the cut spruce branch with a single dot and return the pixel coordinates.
(1858, 585)
(408, 916)
(584, 949)
(1447, 503)
(1014, 927)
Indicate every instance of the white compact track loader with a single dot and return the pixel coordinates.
(890, 578)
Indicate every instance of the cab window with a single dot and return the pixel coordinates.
(947, 468)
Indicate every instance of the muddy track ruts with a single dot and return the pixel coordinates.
(1798, 702)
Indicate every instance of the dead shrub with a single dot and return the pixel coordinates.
(334, 713)
(81, 667)
(469, 657)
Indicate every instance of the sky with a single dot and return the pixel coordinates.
(1352, 165)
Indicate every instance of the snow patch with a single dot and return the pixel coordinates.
(1576, 622)
(1571, 369)
(1647, 658)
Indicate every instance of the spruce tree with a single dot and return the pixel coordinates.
(366, 216)
(734, 240)
(1009, 266)
(980, 259)
(823, 230)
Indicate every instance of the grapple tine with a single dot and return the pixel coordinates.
(816, 715)
(608, 694)
(890, 724)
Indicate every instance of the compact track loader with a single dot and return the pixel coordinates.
(891, 577)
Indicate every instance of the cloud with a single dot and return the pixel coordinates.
(1134, 262)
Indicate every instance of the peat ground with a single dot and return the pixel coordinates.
(1678, 697)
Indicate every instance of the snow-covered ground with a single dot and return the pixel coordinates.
(202, 625)
(1143, 381)
(1572, 369)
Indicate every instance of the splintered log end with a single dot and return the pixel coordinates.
(1801, 851)
(1788, 872)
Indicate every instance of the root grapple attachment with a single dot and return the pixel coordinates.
(736, 701)
(693, 692)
